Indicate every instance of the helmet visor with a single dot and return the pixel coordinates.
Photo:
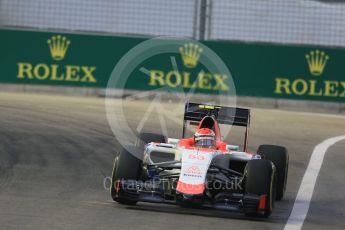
(205, 142)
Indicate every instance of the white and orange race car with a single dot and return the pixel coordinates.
(202, 170)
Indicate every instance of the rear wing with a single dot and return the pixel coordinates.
(224, 115)
(195, 112)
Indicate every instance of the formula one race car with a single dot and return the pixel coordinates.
(202, 170)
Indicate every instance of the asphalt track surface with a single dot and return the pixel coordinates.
(55, 152)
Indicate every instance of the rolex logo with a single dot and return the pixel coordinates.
(58, 46)
(190, 54)
(317, 61)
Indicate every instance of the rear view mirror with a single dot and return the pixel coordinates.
(232, 147)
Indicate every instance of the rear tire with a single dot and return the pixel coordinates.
(280, 158)
(128, 167)
(260, 180)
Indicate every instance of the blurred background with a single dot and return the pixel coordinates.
(276, 50)
(314, 22)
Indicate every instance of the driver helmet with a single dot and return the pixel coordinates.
(205, 138)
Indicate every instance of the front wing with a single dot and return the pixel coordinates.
(161, 192)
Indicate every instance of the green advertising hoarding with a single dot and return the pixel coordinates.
(259, 70)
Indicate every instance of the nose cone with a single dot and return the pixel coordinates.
(190, 189)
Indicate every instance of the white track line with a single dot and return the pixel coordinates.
(305, 192)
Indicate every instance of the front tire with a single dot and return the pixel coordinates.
(126, 167)
(280, 158)
(260, 180)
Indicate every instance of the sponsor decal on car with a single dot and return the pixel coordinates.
(193, 171)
